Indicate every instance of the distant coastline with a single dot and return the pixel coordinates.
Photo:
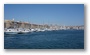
(20, 24)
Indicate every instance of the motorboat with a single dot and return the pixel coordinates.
(11, 31)
(24, 31)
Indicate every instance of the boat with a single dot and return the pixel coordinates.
(11, 31)
(21, 31)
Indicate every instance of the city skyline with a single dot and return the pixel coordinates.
(60, 14)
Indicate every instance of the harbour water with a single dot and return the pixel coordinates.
(59, 39)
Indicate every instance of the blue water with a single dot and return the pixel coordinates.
(63, 39)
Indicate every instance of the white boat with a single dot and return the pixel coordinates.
(39, 30)
(42, 30)
(32, 30)
(24, 31)
(11, 31)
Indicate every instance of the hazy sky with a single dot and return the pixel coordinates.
(61, 14)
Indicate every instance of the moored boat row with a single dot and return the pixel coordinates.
(22, 31)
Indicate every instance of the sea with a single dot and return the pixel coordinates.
(59, 39)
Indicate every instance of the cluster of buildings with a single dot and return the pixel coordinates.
(19, 24)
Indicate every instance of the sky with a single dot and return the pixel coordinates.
(60, 14)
